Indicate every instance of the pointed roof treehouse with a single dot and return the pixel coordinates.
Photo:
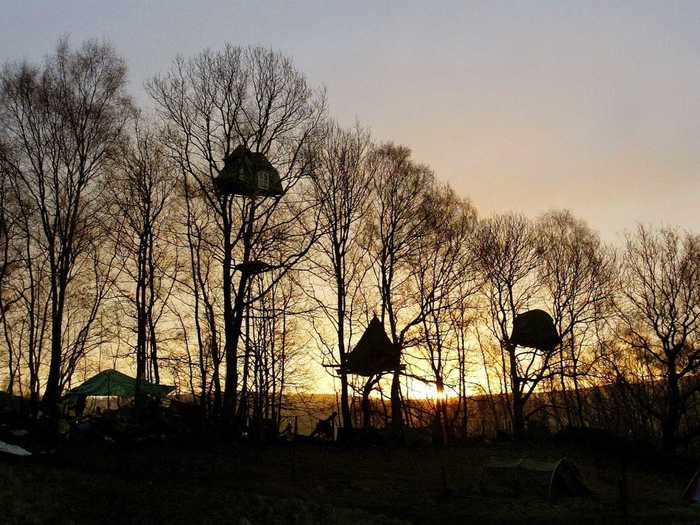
(374, 353)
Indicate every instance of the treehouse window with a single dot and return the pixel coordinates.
(263, 180)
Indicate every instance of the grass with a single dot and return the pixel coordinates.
(311, 483)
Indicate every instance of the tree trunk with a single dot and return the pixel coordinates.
(442, 408)
(517, 403)
(233, 334)
(366, 406)
(396, 415)
(52, 392)
(344, 400)
(672, 417)
(233, 315)
(230, 356)
(242, 411)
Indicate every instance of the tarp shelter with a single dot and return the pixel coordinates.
(374, 353)
(692, 491)
(248, 173)
(527, 477)
(113, 383)
(13, 450)
(535, 329)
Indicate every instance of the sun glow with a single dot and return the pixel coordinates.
(425, 390)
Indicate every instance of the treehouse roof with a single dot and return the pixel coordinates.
(253, 267)
(248, 173)
(374, 353)
(113, 383)
(535, 329)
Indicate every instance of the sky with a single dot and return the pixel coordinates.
(523, 106)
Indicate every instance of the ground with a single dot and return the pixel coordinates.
(324, 483)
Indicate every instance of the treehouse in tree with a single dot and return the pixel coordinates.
(374, 353)
(253, 267)
(535, 329)
(249, 174)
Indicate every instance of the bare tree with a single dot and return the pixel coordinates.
(659, 316)
(64, 118)
(444, 280)
(141, 197)
(10, 255)
(257, 98)
(342, 183)
(509, 255)
(400, 186)
(577, 273)
(25, 315)
(273, 341)
(201, 287)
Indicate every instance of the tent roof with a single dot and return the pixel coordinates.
(374, 352)
(113, 383)
(528, 476)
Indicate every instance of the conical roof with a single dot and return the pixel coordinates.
(374, 352)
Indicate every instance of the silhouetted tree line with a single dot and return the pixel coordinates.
(117, 248)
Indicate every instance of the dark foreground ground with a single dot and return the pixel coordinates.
(324, 484)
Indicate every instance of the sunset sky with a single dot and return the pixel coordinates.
(519, 105)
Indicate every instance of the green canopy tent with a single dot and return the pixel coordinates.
(549, 480)
(113, 383)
